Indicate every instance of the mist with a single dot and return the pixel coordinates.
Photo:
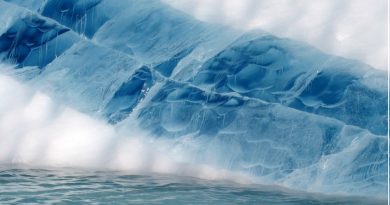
(37, 131)
(354, 29)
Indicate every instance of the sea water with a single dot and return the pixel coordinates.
(70, 186)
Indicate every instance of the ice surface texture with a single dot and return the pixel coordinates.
(275, 109)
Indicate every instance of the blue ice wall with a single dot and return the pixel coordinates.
(276, 109)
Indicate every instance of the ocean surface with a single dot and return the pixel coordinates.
(69, 186)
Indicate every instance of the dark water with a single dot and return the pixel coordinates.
(37, 186)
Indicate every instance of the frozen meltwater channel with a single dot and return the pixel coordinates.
(138, 86)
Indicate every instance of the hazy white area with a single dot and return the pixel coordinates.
(37, 131)
(350, 28)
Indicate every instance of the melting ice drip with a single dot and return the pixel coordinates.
(273, 109)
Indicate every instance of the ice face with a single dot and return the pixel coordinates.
(75, 14)
(28, 41)
(305, 80)
(128, 95)
(267, 140)
(93, 76)
(276, 109)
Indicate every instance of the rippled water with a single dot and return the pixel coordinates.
(31, 186)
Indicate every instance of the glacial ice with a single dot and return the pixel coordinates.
(276, 109)
(282, 71)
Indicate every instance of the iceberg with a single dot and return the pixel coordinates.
(278, 110)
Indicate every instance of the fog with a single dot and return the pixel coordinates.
(354, 29)
(39, 132)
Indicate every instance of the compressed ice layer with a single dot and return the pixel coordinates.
(269, 141)
(87, 76)
(152, 33)
(29, 41)
(78, 15)
(281, 71)
(129, 94)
